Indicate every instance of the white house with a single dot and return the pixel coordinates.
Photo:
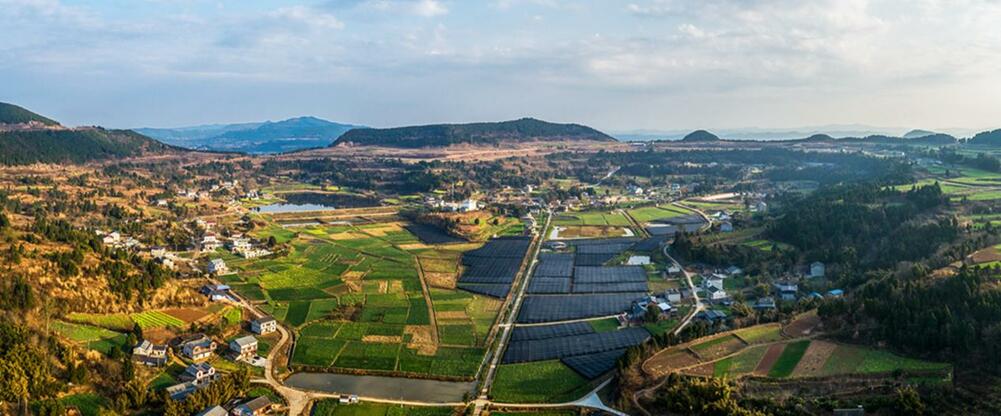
(199, 373)
(817, 269)
(265, 325)
(150, 354)
(255, 407)
(468, 205)
(715, 293)
(673, 295)
(712, 281)
(244, 347)
(734, 271)
(217, 266)
(198, 348)
(210, 242)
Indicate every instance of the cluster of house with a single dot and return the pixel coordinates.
(712, 287)
(236, 244)
(666, 303)
(218, 292)
(467, 205)
(198, 349)
(164, 257)
(117, 240)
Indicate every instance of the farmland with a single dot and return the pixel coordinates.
(537, 382)
(655, 213)
(91, 337)
(592, 218)
(355, 295)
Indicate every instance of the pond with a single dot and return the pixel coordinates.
(381, 387)
(318, 201)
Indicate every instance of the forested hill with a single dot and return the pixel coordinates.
(12, 114)
(988, 138)
(52, 143)
(441, 135)
(73, 146)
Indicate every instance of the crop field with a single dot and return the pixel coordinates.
(330, 407)
(648, 214)
(760, 333)
(91, 337)
(156, 319)
(767, 245)
(596, 218)
(592, 231)
(354, 294)
(790, 357)
(537, 382)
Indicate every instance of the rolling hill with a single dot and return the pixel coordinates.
(442, 135)
(700, 136)
(987, 138)
(264, 137)
(53, 143)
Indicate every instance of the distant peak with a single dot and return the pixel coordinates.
(700, 136)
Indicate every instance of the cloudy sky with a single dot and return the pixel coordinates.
(616, 65)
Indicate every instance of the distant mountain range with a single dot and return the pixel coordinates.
(27, 137)
(754, 133)
(441, 135)
(263, 137)
(913, 137)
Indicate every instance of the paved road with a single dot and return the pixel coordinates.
(699, 306)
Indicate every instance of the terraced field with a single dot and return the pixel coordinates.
(91, 337)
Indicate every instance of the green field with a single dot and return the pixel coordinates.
(538, 382)
(351, 290)
(92, 337)
(88, 404)
(648, 214)
(848, 359)
(114, 321)
(592, 218)
(743, 363)
(330, 407)
(156, 319)
(791, 355)
(761, 334)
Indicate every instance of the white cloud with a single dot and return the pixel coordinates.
(430, 8)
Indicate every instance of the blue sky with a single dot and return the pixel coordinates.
(616, 65)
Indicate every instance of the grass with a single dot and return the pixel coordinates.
(114, 321)
(761, 334)
(849, 359)
(786, 363)
(605, 325)
(92, 337)
(537, 382)
(648, 214)
(88, 404)
(743, 363)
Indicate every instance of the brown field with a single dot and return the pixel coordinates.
(986, 255)
(590, 231)
(382, 339)
(188, 315)
(803, 325)
(668, 361)
(771, 356)
(442, 280)
(704, 370)
(814, 359)
(720, 348)
(447, 315)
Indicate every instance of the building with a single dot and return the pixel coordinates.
(217, 266)
(672, 295)
(765, 303)
(711, 316)
(714, 293)
(199, 373)
(726, 227)
(712, 281)
(265, 325)
(348, 399)
(638, 260)
(181, 391)
(210, 243)
(244, 348)
(835, 293)
(734, 271)
(786, 290)
(760, 206)
(673, 269)
(817, 269)
(199, 347)
(254, 407)
(858, 411)
(214, 411)
(150, 354)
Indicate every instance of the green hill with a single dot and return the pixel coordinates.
(73, 146)
(441, 135)
(12, 114)
(987, 138)
(61, 145)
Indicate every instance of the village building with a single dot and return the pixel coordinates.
(265, 325)
(638, 260)
(786, 290)
(150, 354)
(243, 348)
(726, 227)
(255, 407)
(217, 266)
(198, 347)
(199, 373)
(817, 269)
(214, 411)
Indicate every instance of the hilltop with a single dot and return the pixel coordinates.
(441, 135)
(988, 138)
(13, 114)
(700, 136)
(26, 137)
(256, 137)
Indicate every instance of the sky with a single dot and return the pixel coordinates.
(615, 65)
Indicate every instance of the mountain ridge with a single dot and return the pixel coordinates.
(286, 135)
(442, 135)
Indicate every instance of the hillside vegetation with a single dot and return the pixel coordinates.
(73, 146)
(12, 114)
(440, 135)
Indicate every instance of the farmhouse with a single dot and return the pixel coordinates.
(217, 266)
(181, 391)
(149, 354)
(199, 373)
(198, 347)
(348, 399)
(765, 303)
(726, 227)
(210, 243)
(244, 348)
(254, 407)
(214, 411)
(711, 316)
(265, 325)
(715, 293)
(835, 293)
(734, 271)
(672, 295)
(712, 281)
(786, 290)
(673, 269)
